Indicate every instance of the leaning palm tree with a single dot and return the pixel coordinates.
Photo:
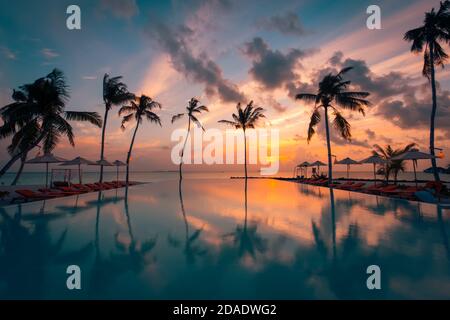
(245, 119)
(332, 94)
(192, 109)
(393, 167)
(140, 108)
(38, 117)
(115, 93)
(428, 38)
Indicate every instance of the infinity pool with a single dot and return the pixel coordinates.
(216, 239)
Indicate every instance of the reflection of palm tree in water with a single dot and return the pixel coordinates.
(133, 256)
(191, 248)
(246, 237)
(22, 246)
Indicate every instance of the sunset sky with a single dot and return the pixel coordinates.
(222, 52)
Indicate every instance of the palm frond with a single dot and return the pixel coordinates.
(177, 116)
(315, 119)
(342, 126)
(91, 117)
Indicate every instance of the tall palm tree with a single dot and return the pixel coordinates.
(38, 117)
(140, 108)
(115, 93)
(245, 119)
(192, 109)
(428, 38)
(332, 94)
(392, 166)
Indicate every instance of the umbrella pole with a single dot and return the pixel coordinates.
(46, 174)
(415, 174)
(374, 174)
(79, 174)
(117, 174)
(348, 170)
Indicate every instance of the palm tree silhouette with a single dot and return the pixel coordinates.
(192, 108)
(245, 119)
(38, 115)
(143, 108)
(392, 166)
(427, 38)
(332, 94)
(115, 93)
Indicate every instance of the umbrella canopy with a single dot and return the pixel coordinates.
(104, 163)
(78, 161)
(118, 164)
(347, 161)
(46, 158)
(414, 155)
(318, 164)
(375, 159)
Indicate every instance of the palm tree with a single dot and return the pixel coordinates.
(143, 108)
(245, 119)
(192, 108)
(332, 94)
(115, 93)
(38, 116)
(428, 38)
(392, 166)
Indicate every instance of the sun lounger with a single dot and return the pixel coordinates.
(32, 195)
(355, 187)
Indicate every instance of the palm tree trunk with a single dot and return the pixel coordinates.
(22, 164)
(19, 155)
(330, 165)
(433, 113)
(245, 155)
(102, 146)
(129, 152)
(184, 146)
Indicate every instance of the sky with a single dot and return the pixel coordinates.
(223, 52)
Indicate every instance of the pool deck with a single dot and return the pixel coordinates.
(9, 198)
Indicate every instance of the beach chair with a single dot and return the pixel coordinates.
(32, 195)
(81, 187)
(70, 190)
(356, 187)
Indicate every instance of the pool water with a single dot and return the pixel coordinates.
(214, 239)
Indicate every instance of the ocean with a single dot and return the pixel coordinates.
(38, 178)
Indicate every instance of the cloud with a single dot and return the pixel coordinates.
(196, 67)
(370, 134)
(412, 111)
(49, 53)
(272, 68)
(288, 24)
(361, 76)
(89, 77)
(124, 9)
(8, 53)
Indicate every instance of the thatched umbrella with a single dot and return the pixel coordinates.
(414, 155)
(348, 162)
(78, 161)
(375, 159)
(118, 164)
(46, 158)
